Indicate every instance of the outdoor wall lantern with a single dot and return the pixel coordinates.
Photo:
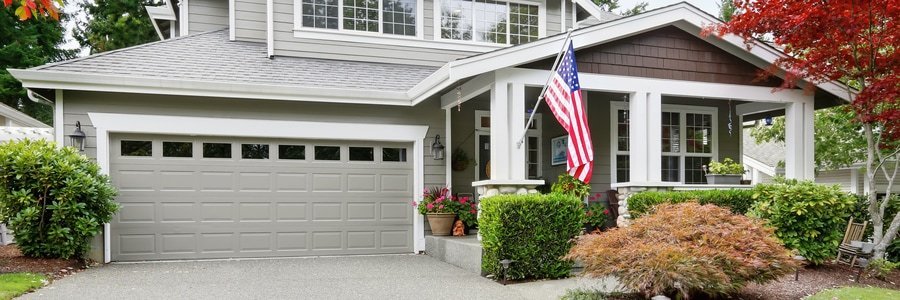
(769, 121)
(77, 137)
(437, 149)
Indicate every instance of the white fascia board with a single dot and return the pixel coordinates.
(431, 85)
(20, 117)
(477, 86)
(591, 8)
(109, 83)
(758, 165)
(756, 107)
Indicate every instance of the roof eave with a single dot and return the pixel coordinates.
(108, 83)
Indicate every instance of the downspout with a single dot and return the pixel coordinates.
(270, 29)
(39, 99)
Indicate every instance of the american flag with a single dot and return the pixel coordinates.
(564, 98)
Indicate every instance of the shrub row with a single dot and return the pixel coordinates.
(533, 231)
(738, 201)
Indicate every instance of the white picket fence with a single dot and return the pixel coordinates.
(6, 237)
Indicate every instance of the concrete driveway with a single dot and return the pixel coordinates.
(355, 277)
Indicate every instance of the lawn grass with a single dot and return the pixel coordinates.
(15, 284)
(854, 293)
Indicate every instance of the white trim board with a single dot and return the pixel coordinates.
(106, 123)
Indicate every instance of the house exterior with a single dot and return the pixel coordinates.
(263, 128)
(761, 160)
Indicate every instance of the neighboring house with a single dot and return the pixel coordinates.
(762, 163)
(16, 125)
(305, 127)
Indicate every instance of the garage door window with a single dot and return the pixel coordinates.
(328, 153)
(393, 154)
(297, 152)
(216, 150)
(362, 154)
(137, 148)
(254, 151)
(178, 149)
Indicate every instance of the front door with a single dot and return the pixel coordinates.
(484, 157)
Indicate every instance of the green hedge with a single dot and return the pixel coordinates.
(534, 231)
(737, 200)
(808, 217)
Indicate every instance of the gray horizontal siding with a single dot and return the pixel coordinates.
(207, 15)
(835, 177)
(250, 20)
(553, 17)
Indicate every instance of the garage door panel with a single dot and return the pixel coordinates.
(195, 207)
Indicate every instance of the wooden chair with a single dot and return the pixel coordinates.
(847, 254)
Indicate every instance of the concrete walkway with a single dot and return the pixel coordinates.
(358, 277)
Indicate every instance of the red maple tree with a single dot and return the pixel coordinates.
(26, 9)
(852, 41)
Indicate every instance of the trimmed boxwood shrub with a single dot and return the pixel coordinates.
(737, 200)
(534, 231)
(684, 250)
(809, 218)
(54, 199)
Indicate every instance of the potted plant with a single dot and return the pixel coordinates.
(595, 215)
(725, 172)
(459, 160)
(438, 206)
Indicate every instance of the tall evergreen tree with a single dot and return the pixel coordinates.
(25, 44)
(114, 24)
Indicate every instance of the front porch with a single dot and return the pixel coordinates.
(647, 133)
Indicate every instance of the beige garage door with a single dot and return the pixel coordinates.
(216, 197)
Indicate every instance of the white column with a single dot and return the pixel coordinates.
(799, 162)
(517, 119)
(500, 137)
(448, 150)
(854, 181)
(654, 137)
(637, 137)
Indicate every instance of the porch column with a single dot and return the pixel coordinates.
(644, 134)
(500, 133)
(517, 119)
(799, 161)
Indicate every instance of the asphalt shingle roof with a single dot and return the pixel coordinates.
(212, 57)
(769, 153)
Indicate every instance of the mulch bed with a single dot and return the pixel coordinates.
(12, 261)
(815, 279)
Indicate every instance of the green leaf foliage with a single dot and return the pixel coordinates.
(115, 24)
(839, 141)
(569, 185)
(808, 218)
(736, 200)
(25, 44)
(534, 231)
(54, 199)
(726, 167)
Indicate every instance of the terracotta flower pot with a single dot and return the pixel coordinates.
(441, 223)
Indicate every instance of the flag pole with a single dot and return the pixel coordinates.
(544, 90)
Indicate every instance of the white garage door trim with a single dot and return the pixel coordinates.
(106, 123)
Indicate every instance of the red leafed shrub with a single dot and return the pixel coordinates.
(687, 249)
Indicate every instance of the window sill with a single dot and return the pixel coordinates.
(386, 39)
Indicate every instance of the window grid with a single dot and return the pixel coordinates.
(671, 132)
(622, 169)
(361, 15)
(693, 169)
(524, 26)
(456, 19)
(320, 13)
(671, 168)
(399, 17)
(533, 154)
(491, 21)
(497, 22)
(698, 132)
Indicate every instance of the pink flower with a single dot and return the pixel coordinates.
(473, 211)
(605, 211)
(430, 206)
(441, 207)
(473, 205)
(439, 199)
(414, 203)
(463, 200)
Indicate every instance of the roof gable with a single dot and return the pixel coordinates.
(667, 53)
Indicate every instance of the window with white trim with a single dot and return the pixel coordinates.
(687, 142)
(532, 141)
(394, 17)
(487, 21)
